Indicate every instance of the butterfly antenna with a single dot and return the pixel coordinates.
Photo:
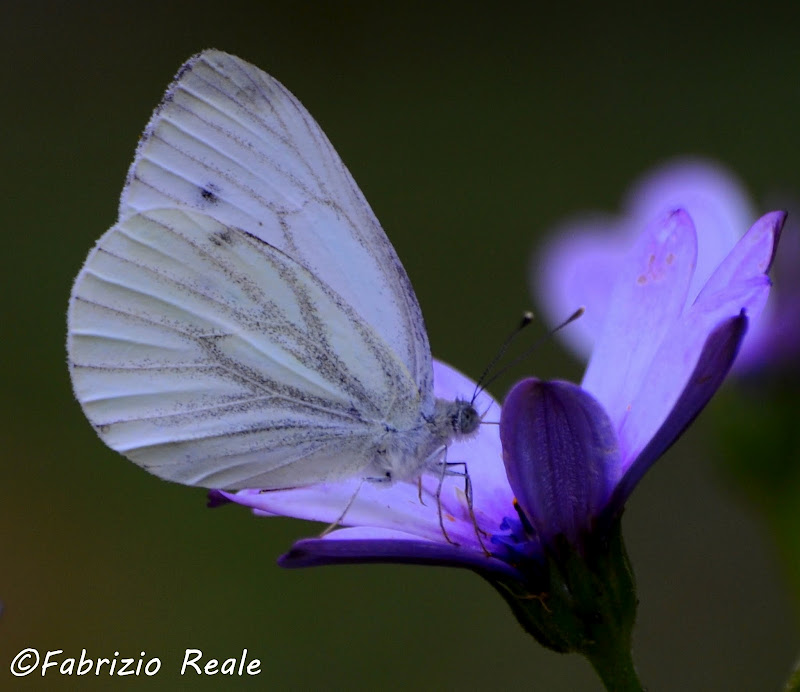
(482, 385)
(527, 318)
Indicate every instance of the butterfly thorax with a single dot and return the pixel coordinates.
(402, 455)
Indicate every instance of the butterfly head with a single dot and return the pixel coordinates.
(464, 417)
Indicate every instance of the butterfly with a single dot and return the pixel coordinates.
(246, 323)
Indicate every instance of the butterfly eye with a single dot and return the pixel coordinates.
(466, 419)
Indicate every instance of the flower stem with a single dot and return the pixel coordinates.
(616, 670)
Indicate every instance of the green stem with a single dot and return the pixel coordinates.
(616, 670)
(581, 599)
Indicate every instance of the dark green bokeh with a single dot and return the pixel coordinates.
(470, 130)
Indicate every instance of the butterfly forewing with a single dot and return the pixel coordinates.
(232, 142)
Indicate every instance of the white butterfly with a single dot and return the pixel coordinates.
(246, 323)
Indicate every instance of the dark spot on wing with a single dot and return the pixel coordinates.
(209, 195)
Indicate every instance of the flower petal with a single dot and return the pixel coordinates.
(561, 456)
(717, 202)
(374, 505)
(649, 296)
(739, 283)
(773, 340)
(360, 546)
(713, 364)
(578, 265)
(751, 257)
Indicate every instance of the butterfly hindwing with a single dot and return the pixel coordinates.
(210, 357)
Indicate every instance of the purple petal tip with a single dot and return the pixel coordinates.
(775, 219)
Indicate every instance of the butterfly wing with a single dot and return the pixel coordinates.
(232, 142)
(246, 322)
(212, 358)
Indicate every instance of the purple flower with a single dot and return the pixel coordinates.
(543, 526)
(581, 260)
(570, 454)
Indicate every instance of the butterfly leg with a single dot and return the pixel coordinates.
(447, 470)
(443, 465)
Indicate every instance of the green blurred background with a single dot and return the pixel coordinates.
(470, 129)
